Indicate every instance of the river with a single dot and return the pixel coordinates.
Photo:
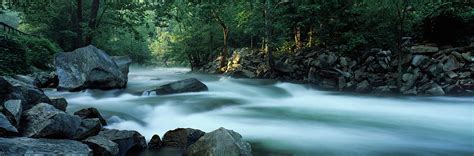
(288, 119)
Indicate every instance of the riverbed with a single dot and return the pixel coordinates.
(287, 119)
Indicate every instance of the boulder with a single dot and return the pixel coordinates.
(45, 121)
(417, 60)
(45, 79)
(12, 110)
(220, 142)
(435, 90)
(31, 146)
(6, 128)
(242, 73)
(451, 64)
(123, 62)
(363, 86)
(181, 137)
(27, 79)
(59, 103)
(90, 112)
(435, 69)
(128, 141)
(283, 67)
(89, 127)
(422, 49)
(451, 74)
(182, 86)
(468, 57)
(101, 146)
(88, 67)
(155, 142)
(15, 89)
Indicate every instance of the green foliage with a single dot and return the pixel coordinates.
(40, 51)
(192, 32)
(12, 56)
(20, 52)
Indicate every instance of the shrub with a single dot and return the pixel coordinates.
(12, 56)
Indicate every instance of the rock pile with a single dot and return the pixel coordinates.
(31, 123)
(426, 70)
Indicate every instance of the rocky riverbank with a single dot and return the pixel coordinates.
(32, 123)
(426, 70)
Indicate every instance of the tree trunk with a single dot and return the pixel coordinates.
(401, 17)
(311, 37)
(268, 34)
(298, 41)
(92, 21)
(79, 19)
(224, 51)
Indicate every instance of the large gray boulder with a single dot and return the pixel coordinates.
(220, 142)
(45, 121)
(182, 86)
(88, 67)
(102, 146)
(128, 141)
(30, 146)
(181, 137)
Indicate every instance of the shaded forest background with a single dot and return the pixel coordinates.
(193, 33)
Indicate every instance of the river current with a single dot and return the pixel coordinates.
(280, 118)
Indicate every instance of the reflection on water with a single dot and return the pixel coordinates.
(285, 118)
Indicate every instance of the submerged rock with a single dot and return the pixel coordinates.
(128, 141)
(220, 142)
(30, 146)
(102, 146)
(182, 86)
(45, 121)
(88, 67)
(181, 137)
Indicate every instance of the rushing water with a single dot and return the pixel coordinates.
(288, 119)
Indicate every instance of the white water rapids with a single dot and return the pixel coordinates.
(285, 118)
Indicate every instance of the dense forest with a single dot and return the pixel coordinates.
(193, 32)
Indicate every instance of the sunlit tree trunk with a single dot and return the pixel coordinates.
(225, 31)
